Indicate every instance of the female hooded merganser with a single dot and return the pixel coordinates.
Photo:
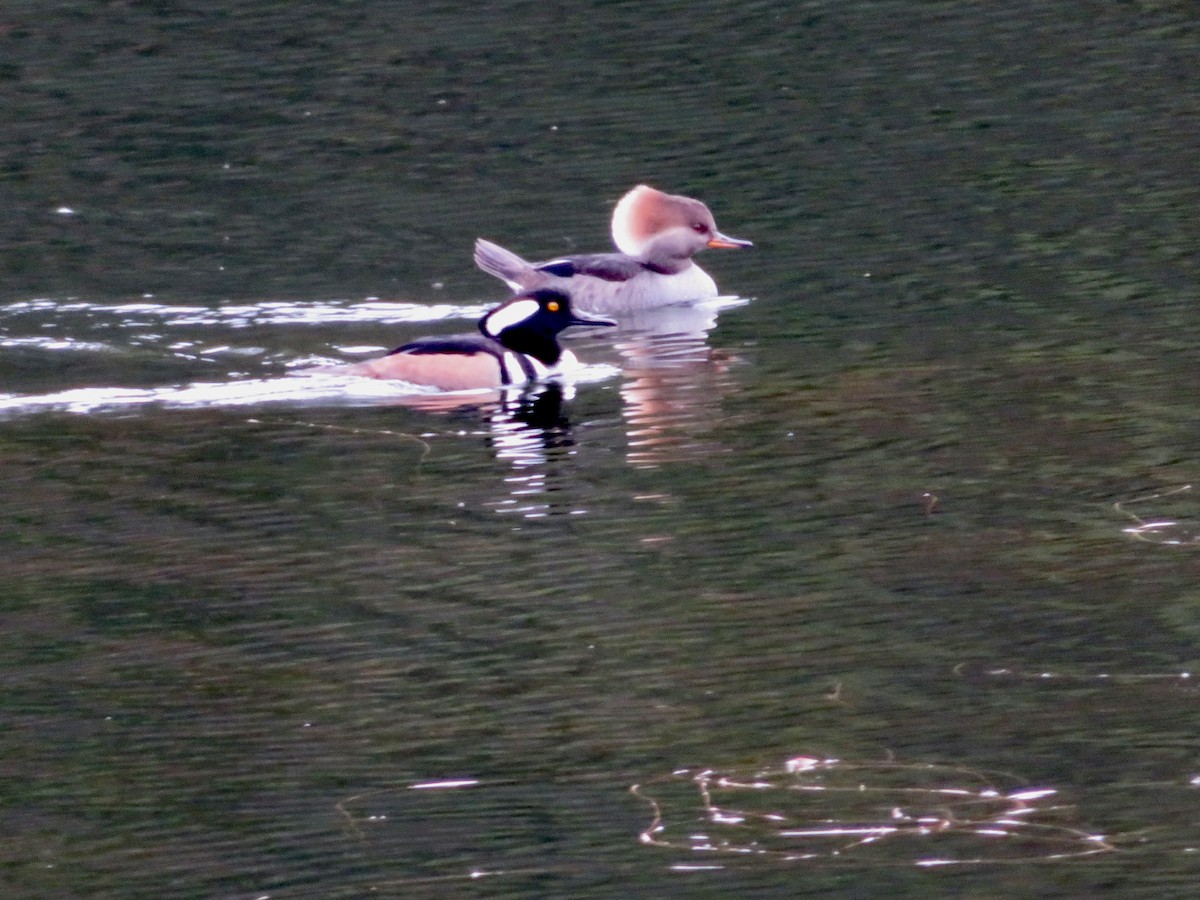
(657, 235)
(518, 343)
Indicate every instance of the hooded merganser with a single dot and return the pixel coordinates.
(657, 235)
(518, 342)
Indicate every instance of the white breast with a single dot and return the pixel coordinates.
(650, 289)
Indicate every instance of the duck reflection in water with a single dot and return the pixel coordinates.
(672, 382)
(527, 428)
(534, 438)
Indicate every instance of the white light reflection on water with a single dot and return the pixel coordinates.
(444, 785)
(1166, 531)
(281, 312)
(56, 343)
(297, 389)
(828, 809)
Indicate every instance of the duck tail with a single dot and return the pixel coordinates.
(503, 264)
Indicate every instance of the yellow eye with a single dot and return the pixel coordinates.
(552, 306)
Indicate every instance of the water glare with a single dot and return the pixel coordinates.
(885, 813)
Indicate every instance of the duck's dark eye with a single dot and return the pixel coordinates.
(699, 227)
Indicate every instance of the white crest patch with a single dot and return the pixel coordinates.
(628, 225)
(622, 222)
(508, 315)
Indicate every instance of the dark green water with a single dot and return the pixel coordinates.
(869, 515)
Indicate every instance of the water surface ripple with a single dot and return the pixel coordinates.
(917, 505)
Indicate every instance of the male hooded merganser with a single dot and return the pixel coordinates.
(518, 342)
(657, 235)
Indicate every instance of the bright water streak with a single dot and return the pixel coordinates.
(167, 326)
